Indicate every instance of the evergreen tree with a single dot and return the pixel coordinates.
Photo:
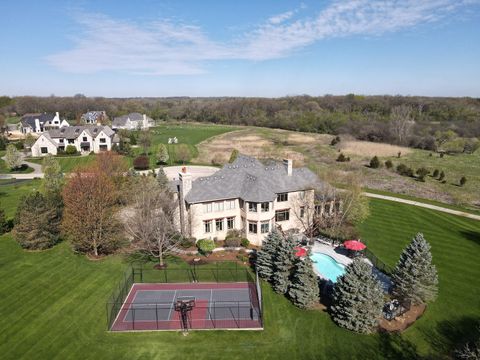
(233, 156)
(3, 222)
(304, 290)
(264, 262)
(162, 154)
(37, 224)
(375, 163)
(357, 298)
(282, 264)
(162, 178)
(415, 277)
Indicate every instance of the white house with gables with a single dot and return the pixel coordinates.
(38, 123)
(86, 139)
(132, 121)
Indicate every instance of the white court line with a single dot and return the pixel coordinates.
(171, 305)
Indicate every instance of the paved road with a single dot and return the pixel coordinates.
(424, 205)
(37, 171)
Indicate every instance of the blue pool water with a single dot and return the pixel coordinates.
(327, 266)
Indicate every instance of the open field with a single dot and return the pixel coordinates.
(315, 151)
(60, 310)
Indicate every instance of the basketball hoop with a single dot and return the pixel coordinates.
(184, 306)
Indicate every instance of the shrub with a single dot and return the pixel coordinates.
(19, 145)
(422, 172)
(442, 176)
(463, 180)
(388, 164)
(442, 155)
(244, 242)
(141, 162)
(242, 257)
(375, 163)
(233, 238)
(335, 140)
(233, 156)
(435, 173)
(205, 246)
(404, 170)
(187, 242)
(70, 150)
(342, 158)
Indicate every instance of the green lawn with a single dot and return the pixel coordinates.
(4, 169)
(11, 191)
(53, 304)
(68, 163)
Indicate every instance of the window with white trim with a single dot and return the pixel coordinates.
(264, 227)
(230, 223)
(218, 206)
(229, 204)
(252, 207)
(219, 225)
(282, 197)
(207, 226)
(282, 215)
(207, 208)
(265, 206)
(252, 227)
(302, 211)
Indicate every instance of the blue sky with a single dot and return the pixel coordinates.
(240, 48)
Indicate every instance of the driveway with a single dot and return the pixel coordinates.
(37, 171)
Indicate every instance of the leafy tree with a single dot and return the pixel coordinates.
(90, 221)
(183, 153)
(141, 162)
(53, 180)
(375, 163)
(145, 140)
(13, 158)
(401, 123)
(3, 142)
(264, 262)
(233, 156)
(469, 351)
(357, 298)
(463, 180)
(133, 138)
(4, 227)
(304, 291)
(415, 277)
(36, 223)
(29, 141)
(282, 264)
(162, 154)
(162, 178)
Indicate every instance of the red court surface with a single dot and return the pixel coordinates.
(217, 306)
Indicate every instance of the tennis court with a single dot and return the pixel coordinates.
(152, 306)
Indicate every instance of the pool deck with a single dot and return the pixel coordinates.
(329, 250)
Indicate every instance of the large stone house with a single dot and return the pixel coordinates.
(38, 123)
(249, 196)
(94, 117)
(133, 121)
(85, 139)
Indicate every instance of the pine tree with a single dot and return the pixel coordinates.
(264, 262)
(233, 156)
(3, 222)
(415, 277)
(162, 154)
(282, 264)
(304, 290)
(357, 298)
(162, 178)
(37, 224)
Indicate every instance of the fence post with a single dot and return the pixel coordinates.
(156, 313)
(141, 273)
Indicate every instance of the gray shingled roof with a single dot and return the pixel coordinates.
(72, 132)
(250, 180)
(135, 117)
(93, 115)
(29, 120)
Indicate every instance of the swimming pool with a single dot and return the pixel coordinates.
(327, 266)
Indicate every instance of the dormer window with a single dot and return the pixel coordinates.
(103, 140)
(84, 138)
(252, 207)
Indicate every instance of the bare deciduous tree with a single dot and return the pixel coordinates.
(150, 220)
(401, 123)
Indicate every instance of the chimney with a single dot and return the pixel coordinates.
(145, 123)
(57, 115)
(185, 187)
(37, 126)
(288, 164)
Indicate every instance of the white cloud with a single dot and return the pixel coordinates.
(165, 47)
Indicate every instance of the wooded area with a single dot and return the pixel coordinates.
(412, 121)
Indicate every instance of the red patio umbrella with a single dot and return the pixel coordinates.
(355, 245)
(300, 251)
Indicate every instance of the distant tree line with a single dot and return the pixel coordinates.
(412, 121)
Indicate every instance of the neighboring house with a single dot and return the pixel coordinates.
(86, 139)
(248, 196)
(133, 121)
(94, 117)
(38, 123)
